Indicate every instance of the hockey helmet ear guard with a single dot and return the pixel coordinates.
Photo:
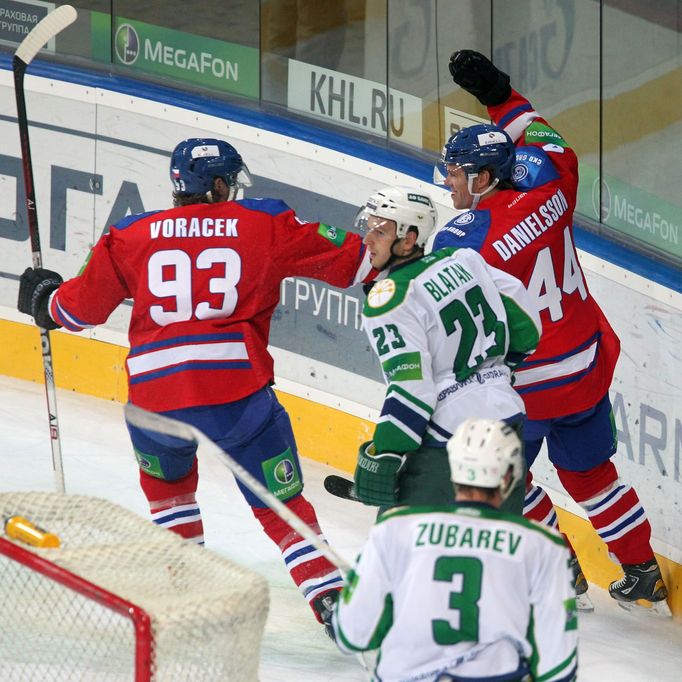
(406, 207)
(475, 148)
(195, 163)
(485, 453)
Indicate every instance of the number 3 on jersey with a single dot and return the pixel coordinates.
(542, 284)
(169, 275)
(469, 571)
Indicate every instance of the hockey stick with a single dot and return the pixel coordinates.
(171, 427)
(340, 487)
(45, 30)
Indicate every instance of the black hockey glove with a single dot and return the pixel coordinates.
(479, 77)
(35, 287)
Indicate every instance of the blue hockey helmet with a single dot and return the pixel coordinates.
(475, 148)
(197, 161)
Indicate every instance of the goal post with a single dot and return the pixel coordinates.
(121, 599)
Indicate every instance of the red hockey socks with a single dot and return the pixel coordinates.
(313, 573)
(614, 510)
(173, 504)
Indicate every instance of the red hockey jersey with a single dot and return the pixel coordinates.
(528, 232)
(205, 280)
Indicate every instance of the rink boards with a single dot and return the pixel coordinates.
(101, 153)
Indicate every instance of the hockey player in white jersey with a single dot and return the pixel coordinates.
(464, 592)
(448, 329)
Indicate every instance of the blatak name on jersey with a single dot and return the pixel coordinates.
(532, 226)
(194, 227)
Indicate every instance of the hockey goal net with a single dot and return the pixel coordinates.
(121, 599)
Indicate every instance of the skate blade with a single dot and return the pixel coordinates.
(583, 603)
(642, 606)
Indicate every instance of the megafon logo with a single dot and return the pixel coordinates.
(601, 199)
(127, 44)
(284, 471)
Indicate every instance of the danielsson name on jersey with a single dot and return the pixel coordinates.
(467, 590)
(205, 280)
(444, 327)
(528, 232)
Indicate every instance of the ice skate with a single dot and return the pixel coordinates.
(582, 600)
(324, 607)
(641, 587)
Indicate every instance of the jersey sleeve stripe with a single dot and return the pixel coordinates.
(404, 413)
(417, 405)
(517, 127)
(66, 320)
(392, 436)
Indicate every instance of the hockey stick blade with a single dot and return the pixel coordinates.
(340, 487)
(46, 29)
(172, 427)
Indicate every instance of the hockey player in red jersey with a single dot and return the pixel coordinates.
(517, 181)
(205, 279)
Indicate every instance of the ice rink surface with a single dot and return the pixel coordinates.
(614, 645)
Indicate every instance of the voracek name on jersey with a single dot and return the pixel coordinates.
(194, 227)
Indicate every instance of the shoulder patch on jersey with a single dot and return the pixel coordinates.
(381, 293)
(464, 218)
(388, 293)
(519, 173)
(332, 234)
(541, 132)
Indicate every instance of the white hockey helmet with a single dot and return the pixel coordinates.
(406, 206)
(485, 453)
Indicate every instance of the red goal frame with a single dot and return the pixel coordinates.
(139, 617)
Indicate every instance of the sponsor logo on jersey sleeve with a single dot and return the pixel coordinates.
(381, 293)
(404, 367)
(540, 132)
(332, 234)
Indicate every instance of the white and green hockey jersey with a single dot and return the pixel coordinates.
(466, 590)
(447, 327)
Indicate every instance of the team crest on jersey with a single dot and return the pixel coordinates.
(465, 218)
(381, 293)
(519, 172)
